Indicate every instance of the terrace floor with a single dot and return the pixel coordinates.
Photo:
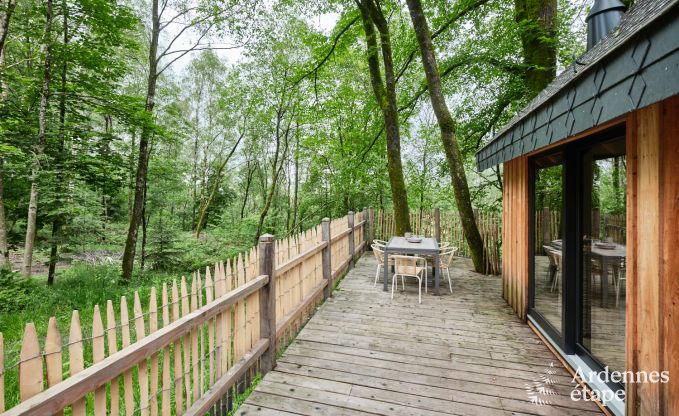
(464, 353)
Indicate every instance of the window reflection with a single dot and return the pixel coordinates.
(604, 253)
(548, 257)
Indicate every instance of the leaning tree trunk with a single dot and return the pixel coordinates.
(537, 20)
(143, 159)
(447, 127)
(372, 16)
(4, 27)
(31, 221)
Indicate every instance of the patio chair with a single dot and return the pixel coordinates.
(410, 266)
(378, 252)
(380, 242)
(620, 276)
(445, 261)
(554, 264)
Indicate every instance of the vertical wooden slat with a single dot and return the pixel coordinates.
(194, 341)
(220, 321)
(153, 327)
(53, 358)
(76, 360)
(209, 297)
(167, 382)
(30, 366)
(186, 343)
(128, 396)
(98, 354)
(142, 367)
(669, 260)
(178, 377)
(201, 333)
(112, 348)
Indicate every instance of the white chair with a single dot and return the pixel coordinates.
(378, 252)
(620, 276)
(410, 266)
(380, 242)
(445, 259)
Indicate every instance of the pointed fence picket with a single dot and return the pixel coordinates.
(201, 345)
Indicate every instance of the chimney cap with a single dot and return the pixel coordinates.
(601, 6)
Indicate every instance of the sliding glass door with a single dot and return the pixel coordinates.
(604, 252)
(547, 250)
(577, 292)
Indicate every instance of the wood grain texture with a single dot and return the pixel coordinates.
(515, 235)
(465, 353)
(653, 266)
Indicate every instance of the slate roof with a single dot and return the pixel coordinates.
(634, 66)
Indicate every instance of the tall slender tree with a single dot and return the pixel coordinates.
(448, 137)
(7, 12)
(31, 222)
(385, 93)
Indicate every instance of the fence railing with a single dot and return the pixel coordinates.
(446, 226)
(604, 226)
(206, 336)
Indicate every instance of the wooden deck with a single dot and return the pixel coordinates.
(461, 354)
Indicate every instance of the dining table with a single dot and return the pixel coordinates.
(411, 246)
(609, 255)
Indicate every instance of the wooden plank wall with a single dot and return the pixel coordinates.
(653, 260)
(515, 235)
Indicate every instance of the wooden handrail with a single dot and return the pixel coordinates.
(340, 235)
(300, 258)
(79, 385)
(203, 405)
(292, 315)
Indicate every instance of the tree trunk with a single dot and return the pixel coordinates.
(372, 16)
(56, 222)
(31, 222)
(4, 22)
(4, 246)
(144, 151)
(537, 20)
(248, 181)
(295, 199)
(447, 127)
(4, 28)
(202, 220)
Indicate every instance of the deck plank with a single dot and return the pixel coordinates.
(464, 353)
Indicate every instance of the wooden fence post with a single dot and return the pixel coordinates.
(325, 257)
(350, 219)
(267, 301)
(437, 224)
(546, 227)
(365, 229)
(371, 227)
(596, 223)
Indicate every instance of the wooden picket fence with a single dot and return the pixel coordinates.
(548, 227)
(446, 226)
(200, 345)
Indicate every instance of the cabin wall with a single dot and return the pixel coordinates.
(652, 321)
(653, 256)
(515, 221)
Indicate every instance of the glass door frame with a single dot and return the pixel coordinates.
(572, 274)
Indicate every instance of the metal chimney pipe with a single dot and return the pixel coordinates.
(604, 16)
